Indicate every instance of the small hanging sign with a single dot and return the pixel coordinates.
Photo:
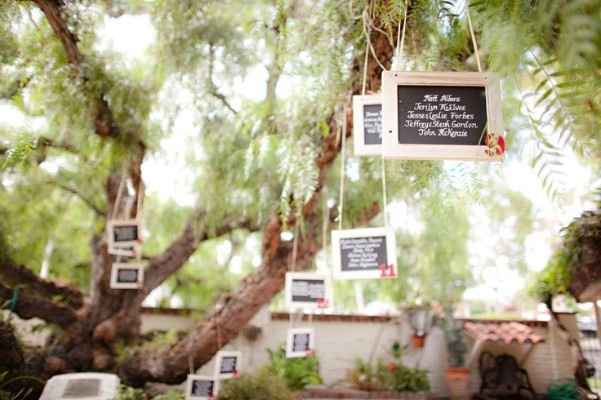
(228, 364)
(300, 343)
(124, 237)
(201, 387)
(308, 290)
(367, 125)
(127, 276)
(368, 253)
(442, 116)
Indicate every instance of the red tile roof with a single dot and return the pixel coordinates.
(506, 332)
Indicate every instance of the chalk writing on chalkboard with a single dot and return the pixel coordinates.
(127, 275)
(363, 253)
(301, 342)
(308, 290)
(372, 124)
(443, 115)
(125, 233)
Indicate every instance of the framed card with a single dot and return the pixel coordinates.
(127, 276)
(228, 364)
(308, 290)
(300, 343)
(441, 116)
(123, 233)
(367, 125)
(201, 387)
(368, 253)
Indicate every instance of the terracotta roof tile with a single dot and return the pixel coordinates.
(506, 332)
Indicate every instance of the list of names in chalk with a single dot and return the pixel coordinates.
(441, 115)
(362, 253)
(308, 290)
(372, 123)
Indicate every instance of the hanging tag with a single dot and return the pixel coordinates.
(360, 253)
(228, 364)
(306, 290)
(367, 125)
(201, 387)
(127, 275)
(300, 343)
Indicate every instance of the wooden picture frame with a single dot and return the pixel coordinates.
(392, 83)
(194, 384)
(293, 335)
(369, 268)
(113, 228)
(223, 359)
(297, 278)
(132, 250)
(363, 144)
(120, 281)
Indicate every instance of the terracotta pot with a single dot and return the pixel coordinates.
(458, 381)
(418, 341)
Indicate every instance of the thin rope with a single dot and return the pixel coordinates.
(371, 47)
(342, 171)
(471, 28)
(118, 199)
(401, 37)
(365, 71)
(140, 198)
(384, 196)
(294, 248)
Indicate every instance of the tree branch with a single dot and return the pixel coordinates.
(200, 345)
(17, 275)
(213, 87)
(87, 201)
(29, 306)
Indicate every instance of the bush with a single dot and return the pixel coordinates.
(262, 386)
(392, 376)
(296, 372)
(128, 393)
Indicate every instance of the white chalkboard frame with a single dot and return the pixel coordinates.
(294, 305)
(192, 378)
(219, 359)
(392, 149)
(360, 148)
(110, 226)
(290, 353)
(115, 284)
(337, 235)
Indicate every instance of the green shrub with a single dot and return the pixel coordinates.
(128, 393)
(173, 394)
(296, 372)
(262, 386)
(392, 376)
(566, 390)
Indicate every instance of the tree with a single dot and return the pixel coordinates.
(264, 163)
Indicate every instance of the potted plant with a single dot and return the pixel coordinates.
(420, 319)
(458, 376)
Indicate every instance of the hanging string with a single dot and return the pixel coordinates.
(342, 171)
(475, 44)
(294, 248)
(400, 41)
(118, 199)
(140, 199)
(384, 196)
(364, 86)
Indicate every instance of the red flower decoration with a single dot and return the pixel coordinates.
(387, 271)
(496, 144)
(391, 367)
(322, 303)
(236, 374)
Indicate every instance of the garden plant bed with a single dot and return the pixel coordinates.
(342, 393)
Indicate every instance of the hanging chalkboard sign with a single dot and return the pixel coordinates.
(123, 237)
(367, 125)
(300, 343)
(228, 364)
(368, 253)
(127, 276)
(201, 387)
(450, 115)
(308, 290)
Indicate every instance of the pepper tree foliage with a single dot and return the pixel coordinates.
(252, 156)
